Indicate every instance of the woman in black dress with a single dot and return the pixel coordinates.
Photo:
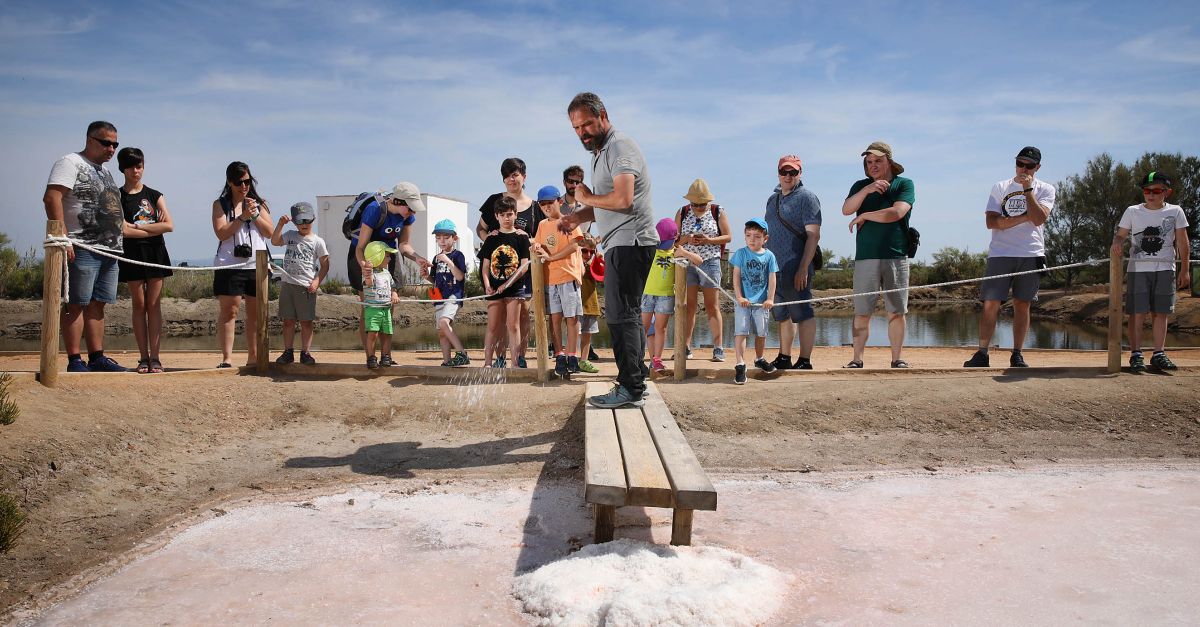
(146, 219)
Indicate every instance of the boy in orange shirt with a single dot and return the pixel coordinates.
(564, 270)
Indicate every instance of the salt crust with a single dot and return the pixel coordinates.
(627, 582)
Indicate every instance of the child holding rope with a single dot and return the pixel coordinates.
(754, 270)
(449, 274)
(378, 295)
(658, 298)
(305, 264)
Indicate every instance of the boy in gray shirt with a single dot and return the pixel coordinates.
(305, 264)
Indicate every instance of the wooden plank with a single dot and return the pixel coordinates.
(603, 470)
(359, 370)
(693, 490)
(644, 472)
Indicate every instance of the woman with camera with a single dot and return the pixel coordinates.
(242, 221)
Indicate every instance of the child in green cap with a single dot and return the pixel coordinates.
(379, 295)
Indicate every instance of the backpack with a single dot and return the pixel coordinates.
(354, 211)
(715, 210)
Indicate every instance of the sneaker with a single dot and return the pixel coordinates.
(572, 364)
(688, 351)
(499, 363)
(1017, 361)
(802, 363)
(586, 366)
(618, 396)
(739, 374)
(307, 359)
(521, 363)
(460, 358)
(560, 366)
(657, 365)
(1137, 363)
(764, 365)
(979, 360)
(386, 361)
(105, 363)
(286, 357)
(1160, 361)
(592, 356)
(372, 363)
(76, 365)
(783, 362)
(718, 354)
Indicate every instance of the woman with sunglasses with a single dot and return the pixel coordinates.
(146, 219)
(242, 222)
(703, 230)
(386, 219)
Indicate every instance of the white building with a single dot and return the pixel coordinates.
(331, 210)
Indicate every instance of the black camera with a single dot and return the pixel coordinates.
(243, 251)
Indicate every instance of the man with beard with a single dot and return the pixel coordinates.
(620, 205)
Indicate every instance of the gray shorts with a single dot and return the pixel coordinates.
(880, 274)
(1024, 287)
(1150, 292)
(710, 267)
(589, 324)
(658, 304)
(446, 309)
(564, 299)
(296, 303)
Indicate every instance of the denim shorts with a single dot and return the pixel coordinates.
(658, 304)
(750, 321)
(92, 278)
(710, 267)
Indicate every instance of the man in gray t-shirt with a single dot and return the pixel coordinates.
(620, 204)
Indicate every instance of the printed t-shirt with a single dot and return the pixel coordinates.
(379, 292)
(92, 208)
(755, 269)
(302, 257)
(443, 278)
(878, 240)
(621, 155)
(661, 280)
(141, 208)
(1025, 239)
(504, 253)
(1152, 236)
(569, 268)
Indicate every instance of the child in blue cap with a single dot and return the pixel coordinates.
(449, 274)
(754, 270)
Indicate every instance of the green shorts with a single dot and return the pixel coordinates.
(378, 319)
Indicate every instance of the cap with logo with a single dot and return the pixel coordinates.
(757, 223)
(1162, 178)
(548, 192)
(1030, 153)
(302, 213)
(407, 192)
(376, 252)
(698, 193)
(444, 227)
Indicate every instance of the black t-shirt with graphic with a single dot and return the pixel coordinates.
(504, 253)
(142, 207)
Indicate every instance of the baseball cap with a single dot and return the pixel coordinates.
(667, 231)
(698, 193)
(1029, 153)
(596, 268)
(882, 149)
(407, 192)
(758, 222)
(1162, 178)
(375, 252)
(548, 192)
(302, 213)
(444, 226)
(791, 160)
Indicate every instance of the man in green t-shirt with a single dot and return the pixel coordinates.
(881, 204)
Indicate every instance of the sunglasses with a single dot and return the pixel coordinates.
(701, 205)
(1154, 190)
(397, 202)
(303, 221)
(241, 183)
(573, 181)
(1026, 165)
(789, 172)
(105, 142)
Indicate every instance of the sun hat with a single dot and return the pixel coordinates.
(791, 160)
(407, 192)
(667, 232)
(758, 223)
(302, 213)
(548, 192)
(376, 252)
(698, 193)
(444, 226)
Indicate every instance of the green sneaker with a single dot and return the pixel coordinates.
(586, 366)
(1137, 363)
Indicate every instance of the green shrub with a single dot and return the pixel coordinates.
(12, 522)
(335, 286)
(8, 407)
(20, 275)
(189, 284)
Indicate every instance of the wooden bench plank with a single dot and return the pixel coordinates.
(644, 473)
(693, 489)
(604, 470)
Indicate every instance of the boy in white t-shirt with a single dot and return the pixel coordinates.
(1157, 232)
(305, 264)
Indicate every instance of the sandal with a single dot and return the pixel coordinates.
(900, 363)
(224, 364)
(854, 364)
(143, 366)
(155, 366)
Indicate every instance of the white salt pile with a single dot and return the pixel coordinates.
(627, 582)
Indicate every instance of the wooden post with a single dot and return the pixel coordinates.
(680, 323)
(1116, 277)
(681, 527)
(539, 315)
(52, 296)
(605, 522)
(262, 358)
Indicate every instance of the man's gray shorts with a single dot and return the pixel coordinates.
(296, 303)
(1024, 287)
(564, 299)
(880, 274)
(1150, 292)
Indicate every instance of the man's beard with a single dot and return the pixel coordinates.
(593, 142)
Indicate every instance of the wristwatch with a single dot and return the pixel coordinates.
(1028, 189)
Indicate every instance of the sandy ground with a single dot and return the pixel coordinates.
(104, 463)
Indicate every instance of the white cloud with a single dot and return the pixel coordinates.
(1170, 45)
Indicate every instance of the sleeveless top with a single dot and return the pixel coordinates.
(705, 224)
(247, 234)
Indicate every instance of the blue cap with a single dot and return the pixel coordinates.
(758, 222)
(444, 226)
(549, 192)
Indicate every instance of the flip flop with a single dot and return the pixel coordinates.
(143, 366)
(155, 366)
(900, 363)
(854, 364)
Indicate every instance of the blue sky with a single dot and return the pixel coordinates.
(325, 98)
